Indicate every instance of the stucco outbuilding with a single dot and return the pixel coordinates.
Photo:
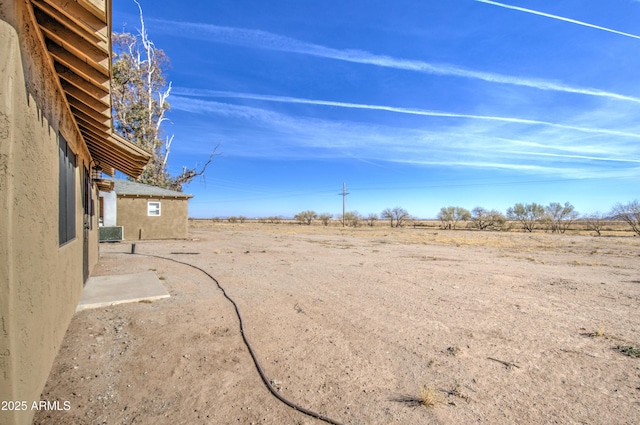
(145, 212)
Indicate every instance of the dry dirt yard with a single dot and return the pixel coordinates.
(504, 328)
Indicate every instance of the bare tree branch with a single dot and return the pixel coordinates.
(139, 99)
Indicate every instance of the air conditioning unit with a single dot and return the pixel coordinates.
(111, 233)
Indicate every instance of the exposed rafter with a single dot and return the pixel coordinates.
(77, 36)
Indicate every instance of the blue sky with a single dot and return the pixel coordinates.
(412, 104)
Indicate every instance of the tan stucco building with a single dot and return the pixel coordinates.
(55, 128)
(145, 212)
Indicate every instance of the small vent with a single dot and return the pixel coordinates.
(111, 234)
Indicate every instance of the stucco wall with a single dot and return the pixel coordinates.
(171, 224)
(40, 281)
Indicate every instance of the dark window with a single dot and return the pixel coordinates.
(67, 193)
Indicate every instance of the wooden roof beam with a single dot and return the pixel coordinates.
(112, 155)
(104, 125)
(97, 104)
(103, 116)
(80, 16)
(95, 92)
(114, 143)
(96, 7)
(97, 78)
(79, 47)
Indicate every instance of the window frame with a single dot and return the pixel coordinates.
(150, 212)
(67, 170)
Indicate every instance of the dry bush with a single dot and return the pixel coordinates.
(428, 396)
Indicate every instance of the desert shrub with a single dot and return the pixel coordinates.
(306, 217)
(628, 350)
(325, 218)
(450, 216)
(270, 220)
(528, 215)
(352, 218)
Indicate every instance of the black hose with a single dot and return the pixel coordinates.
(265, 380)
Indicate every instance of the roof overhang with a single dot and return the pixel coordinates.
(153, 196)
(77, 36)
(104, 185)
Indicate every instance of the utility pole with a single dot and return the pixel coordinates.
(344, 200)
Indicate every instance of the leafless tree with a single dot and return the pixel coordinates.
(595, 222)
(139, 93)
(560, 216)
(397, 216)
(371, 219)
(629, 213)
(483, 219)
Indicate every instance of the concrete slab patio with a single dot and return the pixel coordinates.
(102, 291)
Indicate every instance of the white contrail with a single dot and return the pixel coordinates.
(411, 111)
(267, 40)
(558, 155)
(560, 18)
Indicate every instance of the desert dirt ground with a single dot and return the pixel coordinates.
(501, 328)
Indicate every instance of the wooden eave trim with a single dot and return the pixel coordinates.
(105, 185)
(130, 146)
(131, 161)
(133, 195)
(103, 117)
(96, 11)
(105, 147)
(62, 25)
(76, 36)
(96, 92)
(78, 47)
(109, 162)
(100, 145)
(104, 125)
(51, 63)
(80, 16)
(99, 78)
(82, 96)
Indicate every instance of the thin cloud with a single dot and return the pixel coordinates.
(560, 18)
(282, 136)
(585, 157)
(411, 111)
(267, 40)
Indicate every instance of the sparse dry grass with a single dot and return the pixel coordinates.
(598, 333)
(429, 396)
(427, 232)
